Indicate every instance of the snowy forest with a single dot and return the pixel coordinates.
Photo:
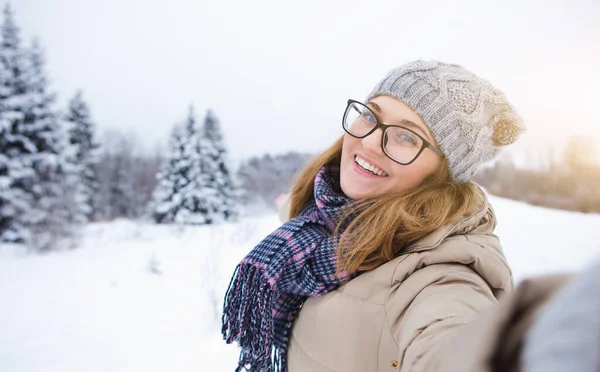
(57, 173)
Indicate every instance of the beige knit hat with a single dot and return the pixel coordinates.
(469, 118)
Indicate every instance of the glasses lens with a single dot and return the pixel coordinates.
(401, 144)
(359, 120)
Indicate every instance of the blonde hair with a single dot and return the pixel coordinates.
(381, 228)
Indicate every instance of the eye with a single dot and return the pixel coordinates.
(368, 115)
(406, 138)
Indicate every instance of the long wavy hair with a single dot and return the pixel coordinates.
(382, 228)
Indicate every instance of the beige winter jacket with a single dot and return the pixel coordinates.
(403, 315)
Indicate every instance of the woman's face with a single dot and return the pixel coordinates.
(358, 183)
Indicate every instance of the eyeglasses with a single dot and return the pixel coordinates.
(399, 143)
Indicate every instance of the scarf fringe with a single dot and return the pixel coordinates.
(270, 283)
(278, 362)
(246, 301)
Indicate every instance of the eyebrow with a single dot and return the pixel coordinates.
(403, 122)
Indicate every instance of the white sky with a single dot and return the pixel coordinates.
(278, 73)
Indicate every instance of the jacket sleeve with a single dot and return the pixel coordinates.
(447, 297)
(453, 325)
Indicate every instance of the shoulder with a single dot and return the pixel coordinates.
(436, 292)
(469, 246)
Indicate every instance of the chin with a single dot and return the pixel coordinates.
(360, 195)
(355, 187)
(349, 186)
(351, 190)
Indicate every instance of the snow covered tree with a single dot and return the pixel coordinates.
(181, 195)
(36, 201)
(166, 200)
(86, 154)
(195, 185)
(13, 144)
(215, 165)
(56, 203)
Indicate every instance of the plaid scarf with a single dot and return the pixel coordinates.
(296, 261)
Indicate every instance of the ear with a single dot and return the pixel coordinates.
(283, 207)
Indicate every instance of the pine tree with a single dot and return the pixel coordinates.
(36, 200)
(86, 155)
(56, 202)
(166, 201)
(220, 178)
(181, 195)
(14, 201)
(195, 186)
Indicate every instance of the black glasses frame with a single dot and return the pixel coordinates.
(384, 127)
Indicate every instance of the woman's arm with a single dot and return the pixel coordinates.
(453, 324)
(450, 296)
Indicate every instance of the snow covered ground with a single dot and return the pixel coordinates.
(141, 297)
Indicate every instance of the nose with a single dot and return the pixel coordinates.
(372, 142)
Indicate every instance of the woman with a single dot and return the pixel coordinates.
(389, 249)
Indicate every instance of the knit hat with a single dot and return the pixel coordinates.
(469, 118)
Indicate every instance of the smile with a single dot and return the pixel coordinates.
(362, 163)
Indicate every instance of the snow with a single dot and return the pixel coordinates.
(539, 240)
(137, 296)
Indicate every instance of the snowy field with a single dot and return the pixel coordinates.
(140, 297)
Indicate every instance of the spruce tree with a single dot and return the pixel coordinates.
(181, 195)
(57, 204)
(14, 200)
(220, 178)
(36, 203)
(86, 154)
(195, 185)
(166, 203)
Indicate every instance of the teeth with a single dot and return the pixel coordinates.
(370, 167)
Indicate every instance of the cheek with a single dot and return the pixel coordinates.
(410, 176)
(347, 143)
(347, 147)
(346, 165)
